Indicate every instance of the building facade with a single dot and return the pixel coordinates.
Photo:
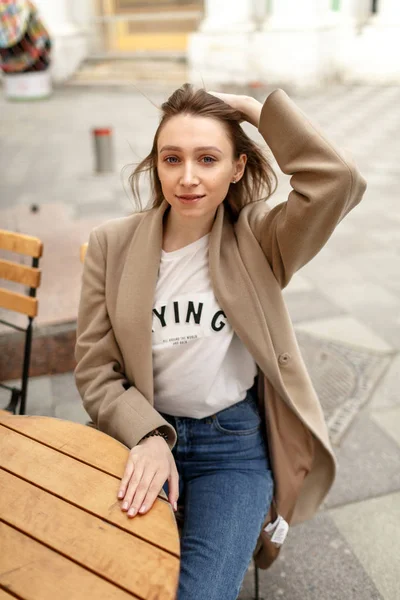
(301, 43)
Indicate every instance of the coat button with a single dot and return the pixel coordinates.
(284, 358)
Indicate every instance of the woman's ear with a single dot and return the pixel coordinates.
(240, 165)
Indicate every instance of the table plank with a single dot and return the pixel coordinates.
(85, 487)
(133, 564)
(34, 572)
(85, 443)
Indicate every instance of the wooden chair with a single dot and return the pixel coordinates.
(23, 303)
(82, 255)
(83, 251)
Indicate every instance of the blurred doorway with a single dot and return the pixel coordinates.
(130, 27)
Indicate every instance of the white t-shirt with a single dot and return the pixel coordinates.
(200, 365)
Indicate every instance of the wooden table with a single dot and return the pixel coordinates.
(62, 532)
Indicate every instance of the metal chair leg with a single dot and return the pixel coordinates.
(25, 373)
(256, 584)
(15, 396)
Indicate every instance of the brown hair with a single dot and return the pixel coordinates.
(258, 181)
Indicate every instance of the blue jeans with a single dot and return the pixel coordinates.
(225, 490)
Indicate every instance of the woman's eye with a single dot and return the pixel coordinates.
(173, 160)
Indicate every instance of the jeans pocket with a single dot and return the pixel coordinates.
(241, 418)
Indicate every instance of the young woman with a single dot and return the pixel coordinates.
(185, 350)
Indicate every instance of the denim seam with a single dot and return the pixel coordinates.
(245, 432)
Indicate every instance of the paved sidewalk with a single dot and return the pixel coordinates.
(345, 306)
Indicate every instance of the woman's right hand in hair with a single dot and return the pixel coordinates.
(149, 465)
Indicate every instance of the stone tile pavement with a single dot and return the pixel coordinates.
(345, 305)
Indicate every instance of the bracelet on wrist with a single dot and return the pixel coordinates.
(155, 432)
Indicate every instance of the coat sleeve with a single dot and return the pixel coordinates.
(115, 406)
(325, 183)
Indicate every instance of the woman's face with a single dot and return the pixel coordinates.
(195, 164)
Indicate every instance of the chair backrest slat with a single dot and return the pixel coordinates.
(20, 243)
(20, 273)
(26, 303)
(18, 303)
(83, 251)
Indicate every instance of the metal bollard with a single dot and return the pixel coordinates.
(103, 149)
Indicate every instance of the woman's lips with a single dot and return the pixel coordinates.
(190, 198)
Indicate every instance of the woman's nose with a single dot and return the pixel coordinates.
(189, 176)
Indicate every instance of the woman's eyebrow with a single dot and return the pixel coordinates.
(178, 149)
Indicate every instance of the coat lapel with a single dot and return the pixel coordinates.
(237, 297)
(135, 300)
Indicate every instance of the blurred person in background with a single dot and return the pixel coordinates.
(185, 350)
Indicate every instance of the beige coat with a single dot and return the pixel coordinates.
(250, 261)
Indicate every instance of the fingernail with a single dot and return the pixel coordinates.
(143, 509)
(120, 494)
(175, 507)
(132, 512)
(125, 505)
